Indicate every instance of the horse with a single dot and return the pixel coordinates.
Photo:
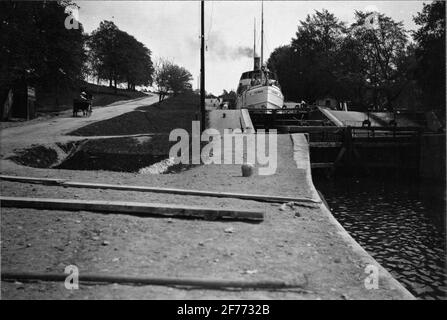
(82, 105)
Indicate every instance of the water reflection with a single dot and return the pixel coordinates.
(401, 223)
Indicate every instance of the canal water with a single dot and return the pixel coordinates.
(400, 222)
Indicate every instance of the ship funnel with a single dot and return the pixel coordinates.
(257, 63)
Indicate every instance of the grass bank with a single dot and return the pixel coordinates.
(159, 118)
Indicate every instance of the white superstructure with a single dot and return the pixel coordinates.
(259, 89)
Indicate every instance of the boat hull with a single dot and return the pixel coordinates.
(261, 97)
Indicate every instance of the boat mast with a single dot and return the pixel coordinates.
(254, 38)
(254, 45)
(262, 34)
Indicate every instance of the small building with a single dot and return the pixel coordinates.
(213, 102)
(18, 101)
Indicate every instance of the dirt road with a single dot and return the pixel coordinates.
(53, 130)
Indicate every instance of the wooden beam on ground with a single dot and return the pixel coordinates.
(322, 165)
(134, 208)
(263, 198)
(159, 281)
(33, 180)
(200, 193)
(325, 144)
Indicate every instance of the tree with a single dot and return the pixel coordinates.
(312, 53)
(118, 57)
(103, 52)
(350, 72)
(381, 48)
(230, 97)
(161, 78)
(170, 77)
(135, 64)
(430, 54)
(37, 49)
(364, 65)
(178, 79)
(282, 64)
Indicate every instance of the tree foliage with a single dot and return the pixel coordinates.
(37, 48)
(230, 97)
(381, 50)
(283, 64)
(305, 68)
(170, 77)
(118, 57)
(430, 54)
(369, 64)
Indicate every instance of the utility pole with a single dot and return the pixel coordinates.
(202, 66)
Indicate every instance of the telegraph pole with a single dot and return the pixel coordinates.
(202, 65)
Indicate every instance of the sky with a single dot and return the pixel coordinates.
(171, 29)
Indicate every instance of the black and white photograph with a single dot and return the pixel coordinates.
(235, 152)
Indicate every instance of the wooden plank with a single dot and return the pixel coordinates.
(204, 283)
(33, 180)
(325, 144)
(390, 129)
(373, 144)
(322, 165)
(255, 197)
(302, 129)
(135, 208)
(264, 198)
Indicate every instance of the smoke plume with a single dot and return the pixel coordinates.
(218, 48)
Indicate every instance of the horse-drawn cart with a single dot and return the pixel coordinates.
(84, 104)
